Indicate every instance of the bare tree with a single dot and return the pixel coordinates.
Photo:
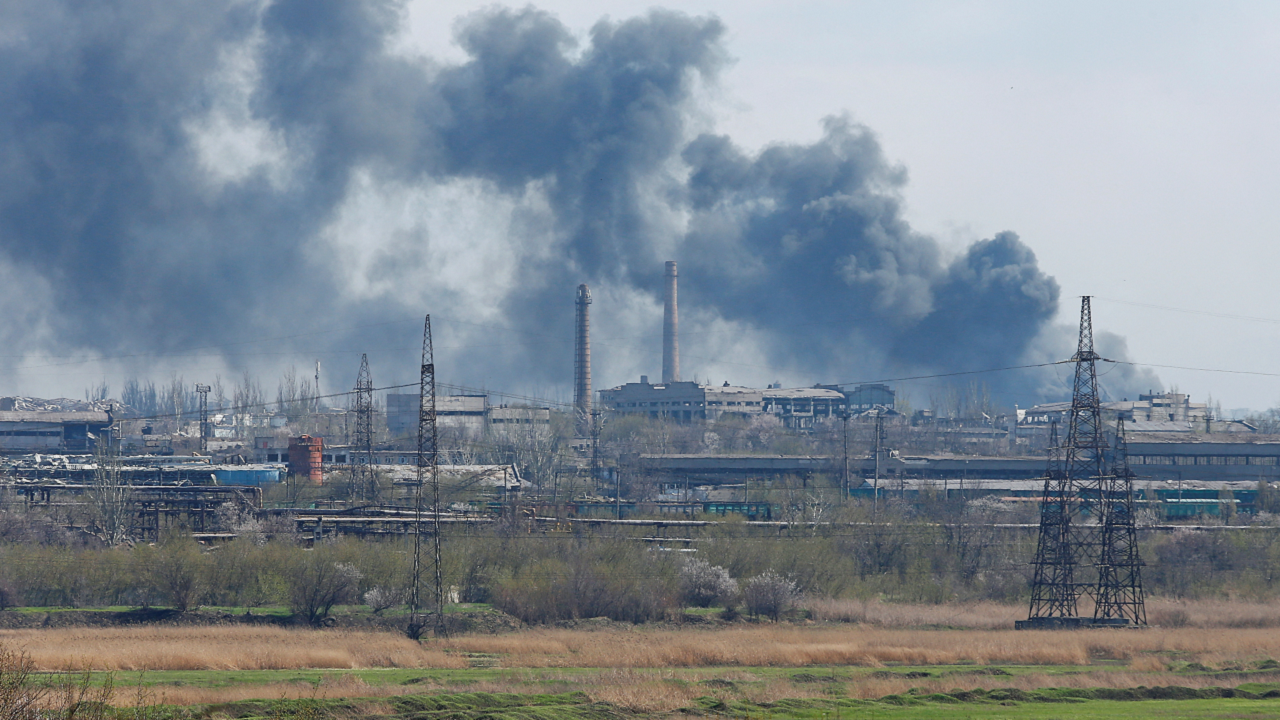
(246, 398)
(219, 394)
(111, 499)
(176, 399)
(98, 392)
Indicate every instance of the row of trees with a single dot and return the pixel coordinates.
(177, 399)
(541, 576)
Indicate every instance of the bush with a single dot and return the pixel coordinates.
(380, 598)
(610, 580)
(318, 582)
(769, 594)
(703, 585)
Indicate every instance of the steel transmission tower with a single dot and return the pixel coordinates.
(364, 482)
(427, 471)
(203, 391)
(1120, 567)
(1087, 540)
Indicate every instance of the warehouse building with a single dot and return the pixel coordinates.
(38, 431)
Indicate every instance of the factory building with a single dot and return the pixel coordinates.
(682, 401)
(870, 396)
(797, 408)
(472, 414)
(38, 431)
(1150, 413)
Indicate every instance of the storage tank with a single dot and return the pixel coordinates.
(305, 458)
(251, 475)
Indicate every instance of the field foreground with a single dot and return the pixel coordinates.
(766, 670)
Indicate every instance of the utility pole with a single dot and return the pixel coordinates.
(844, 478)
(595, 451)
(203, 391)
(364, 481)
(875, 503)
(427, 466)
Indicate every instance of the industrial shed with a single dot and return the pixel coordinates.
(34, 431)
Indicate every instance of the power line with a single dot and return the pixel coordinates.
(953, 374)
(1208, 313)
(1196, 369)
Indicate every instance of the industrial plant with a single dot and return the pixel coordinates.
(724, 447)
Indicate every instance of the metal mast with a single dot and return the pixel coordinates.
(1077, 554)
(203, 391)
(363, 479)
(427, 471)
(1120, 595)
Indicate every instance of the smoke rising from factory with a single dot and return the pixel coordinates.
(193, 174)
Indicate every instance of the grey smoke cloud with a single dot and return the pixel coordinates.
(116, 205)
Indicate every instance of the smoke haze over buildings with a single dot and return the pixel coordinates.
(192, 174)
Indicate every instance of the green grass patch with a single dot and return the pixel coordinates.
(455, 706)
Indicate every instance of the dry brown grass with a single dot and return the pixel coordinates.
(1163, 612)
(789, 646)
(976, 615)
(1213, 613)
(239, 648)
(638, 666)
(222, 648)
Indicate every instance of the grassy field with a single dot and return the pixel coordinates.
(237, 647)
(1230, 669)
(821, 671)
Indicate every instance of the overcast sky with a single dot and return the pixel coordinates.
(864, 190)
(1132, 146)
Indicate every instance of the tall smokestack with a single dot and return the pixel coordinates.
(582, 358)
(671, 330)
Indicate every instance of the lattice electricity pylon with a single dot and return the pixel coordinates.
(364, 482)
(1069, 551)
(203, 392)
(1120, 596)
(427, 472)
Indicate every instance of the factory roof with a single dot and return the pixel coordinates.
(802, 394)
(42, 416)
(729, 389)
(1202, 438)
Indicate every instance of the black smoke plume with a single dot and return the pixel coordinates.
(191, 173)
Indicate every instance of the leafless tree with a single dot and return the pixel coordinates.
(111, 498)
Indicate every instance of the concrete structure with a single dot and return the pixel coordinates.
(670, 330)
(682, 401)
(1152, 412)
(467, 412)
(799, 408)
(582, 358)
(1222, 457)
(24, 431)
(870, 396)
(503, 416)
(1156, 458)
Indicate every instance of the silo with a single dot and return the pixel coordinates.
(305, 458)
